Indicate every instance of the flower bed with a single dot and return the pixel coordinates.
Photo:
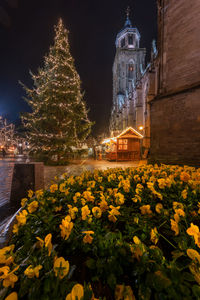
(114, 234)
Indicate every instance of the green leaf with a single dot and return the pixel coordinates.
(112, 281)
(188, 276)
(196, 291)
(91, 263)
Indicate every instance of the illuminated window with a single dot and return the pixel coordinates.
(123, 144)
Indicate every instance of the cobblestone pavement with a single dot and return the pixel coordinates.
(76, 168)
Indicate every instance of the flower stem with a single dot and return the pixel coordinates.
(167, 240)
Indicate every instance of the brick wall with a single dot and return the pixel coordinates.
(175, 111)
(179, 43)
(175, 129)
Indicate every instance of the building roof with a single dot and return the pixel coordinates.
(130, 132)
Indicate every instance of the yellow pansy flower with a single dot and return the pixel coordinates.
(194, 269)
(194, 255)
(136, 240)
(69, 297)
(177, 205)
(23, 201)
(21, 217)
(184, 176)
(161, 183)
(119, 199)
(66, 227)
(88, 238)
(61, 267)
(39, 193)
(91, 184)
(146, 210)
(184, 194)
(31, 271)
(58, 208)
(113, 213)
(53, 188)
(5, 255)
(194, 231)
(154, 235)
(48, 244)
(30, 193)
(62, 187)
(88, 196)
(124, 292)
(76, 196)
(159, 208)
(32, 207)
(72, 211)
(77, 292)
(103, 205)
(174, 226)
(180, 212)
(9, 278)
(12, 296)
(85, 212)
(97, 212)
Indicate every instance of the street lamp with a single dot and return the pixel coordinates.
(141, 127)
(20, 148)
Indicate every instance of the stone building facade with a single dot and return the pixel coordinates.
(132, 84)
(175, 110)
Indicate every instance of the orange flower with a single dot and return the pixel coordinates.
(77, 292)
(174, 226)
(194, 231)
(97, 212)
(185, 176)
(12, 296)
(47, 242)
(30, 272)
(194, 255)
(88, 238)
(154, 235)
(146, 210)
(32, 207)
(159, 208)
(61, 267)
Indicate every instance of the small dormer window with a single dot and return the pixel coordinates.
(123, 42)
(130, 39)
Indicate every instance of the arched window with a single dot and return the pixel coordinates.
(130, 70)
(130, 39)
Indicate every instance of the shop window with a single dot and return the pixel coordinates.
(122, 144)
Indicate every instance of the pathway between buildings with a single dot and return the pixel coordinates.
(50, 172)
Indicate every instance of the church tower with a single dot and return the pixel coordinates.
(128, 68)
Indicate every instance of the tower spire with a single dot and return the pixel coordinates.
(128, 10)
(128, 22)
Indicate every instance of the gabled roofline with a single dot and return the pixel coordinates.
(132, 129)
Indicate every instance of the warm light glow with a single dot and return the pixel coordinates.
(141, 127)
(109, 140)
(132, 129)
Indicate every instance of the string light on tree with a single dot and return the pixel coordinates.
(58, 119)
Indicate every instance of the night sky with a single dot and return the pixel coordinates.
(27, 31)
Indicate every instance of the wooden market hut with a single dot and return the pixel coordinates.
(127, 146)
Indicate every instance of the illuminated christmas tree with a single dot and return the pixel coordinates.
(58, 119)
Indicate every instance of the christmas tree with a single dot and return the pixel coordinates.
(58, 119)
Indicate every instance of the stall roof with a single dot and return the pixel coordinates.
(130, 132)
